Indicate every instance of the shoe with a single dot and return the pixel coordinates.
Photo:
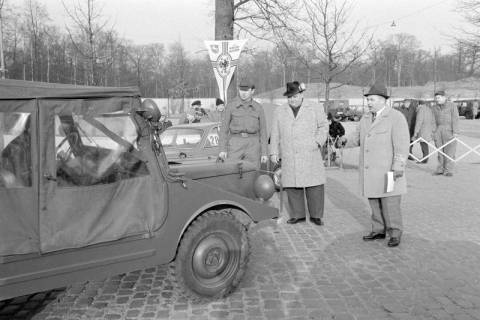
(437, 173)
(295, 220)
(317, 221)
(448, 174)
(393, 242)
(373, 236)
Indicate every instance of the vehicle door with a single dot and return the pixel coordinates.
(18, 177)
(98, 185)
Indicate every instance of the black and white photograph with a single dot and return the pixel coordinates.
(239, 159)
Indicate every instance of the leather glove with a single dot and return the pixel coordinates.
(222, 155)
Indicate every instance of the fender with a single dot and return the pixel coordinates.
(206, 207)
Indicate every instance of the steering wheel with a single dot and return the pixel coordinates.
(74, 140)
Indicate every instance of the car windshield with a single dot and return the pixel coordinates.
(181, 137)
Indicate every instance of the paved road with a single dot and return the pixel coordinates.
(310, 272)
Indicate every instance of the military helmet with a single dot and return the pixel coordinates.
(149, 110)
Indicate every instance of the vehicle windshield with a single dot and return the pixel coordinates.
(181, 137)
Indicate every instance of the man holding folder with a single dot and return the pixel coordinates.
(383, 137)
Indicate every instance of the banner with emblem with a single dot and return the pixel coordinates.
(224, 56)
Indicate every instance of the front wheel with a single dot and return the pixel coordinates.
(212, 256)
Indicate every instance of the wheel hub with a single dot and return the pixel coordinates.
(210, 257)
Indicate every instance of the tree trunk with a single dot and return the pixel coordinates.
(224, 31)
(48, 62)
(2, 59)
(327, 96)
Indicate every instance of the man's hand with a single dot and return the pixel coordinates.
(264, 159)
(397, 174)
(274, 158)
(222, 155)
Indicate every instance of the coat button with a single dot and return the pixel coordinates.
(366, 150)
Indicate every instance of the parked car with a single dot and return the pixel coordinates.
(86, 192)
(196, 141)
(468, 107)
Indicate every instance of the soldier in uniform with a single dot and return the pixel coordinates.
(218, 114)
(446, 118)
(243, 133)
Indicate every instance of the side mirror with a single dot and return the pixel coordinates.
(149, 110)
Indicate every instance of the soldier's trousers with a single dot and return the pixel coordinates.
(244, 148)
(441, 137)
(315, 201)
(386, 215)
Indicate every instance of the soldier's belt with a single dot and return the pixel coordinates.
(244, 134)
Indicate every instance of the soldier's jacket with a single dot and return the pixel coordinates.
(244, 117)
(446, 116)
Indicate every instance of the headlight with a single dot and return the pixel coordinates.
(264, 187)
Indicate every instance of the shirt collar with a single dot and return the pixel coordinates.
(248, 103)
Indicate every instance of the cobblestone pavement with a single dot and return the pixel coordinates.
(309, 272)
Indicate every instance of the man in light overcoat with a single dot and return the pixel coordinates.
(383, 137)
(424, 127)
(299, 130)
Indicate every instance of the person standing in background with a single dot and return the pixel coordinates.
(218, 114)
(424, 127)
(446, 119)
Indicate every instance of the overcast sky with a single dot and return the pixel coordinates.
(191, 22)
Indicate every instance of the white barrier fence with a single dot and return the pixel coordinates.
(470, 150)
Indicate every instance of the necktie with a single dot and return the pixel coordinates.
(374, 115)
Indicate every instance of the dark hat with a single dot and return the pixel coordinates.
(439, 93)
(245, 85)
(294, 88)
(378, 90)
(196, 103)
(219, 102)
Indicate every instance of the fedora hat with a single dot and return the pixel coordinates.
(294, 88)
(378, 90)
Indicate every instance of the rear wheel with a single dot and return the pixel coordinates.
(212, 256)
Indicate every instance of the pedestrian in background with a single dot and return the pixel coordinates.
(218, 114)
(383, 138)
(409, 110)
(189, 116)
(243, 133)
(298, 131)
(335, 131)
(424, 127)
(446, 119)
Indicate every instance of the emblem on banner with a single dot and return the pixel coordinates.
(224, 64)
(224, 57)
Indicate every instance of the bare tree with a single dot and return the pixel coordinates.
(468, 38)
(2, 58)
(88, 20)
(330, 40)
